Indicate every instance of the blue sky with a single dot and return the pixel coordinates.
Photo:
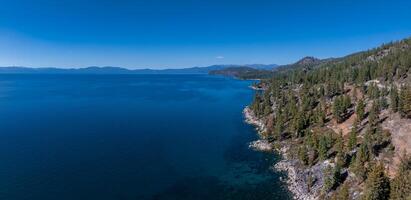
(184, 33)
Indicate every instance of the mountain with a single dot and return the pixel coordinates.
(262, 67)
(306, 63)
(243, 72)
(119, 70)
(52, 70)
(309, 60)
(260, 72)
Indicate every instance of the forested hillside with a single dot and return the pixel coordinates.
(244, 72)
(346, 122)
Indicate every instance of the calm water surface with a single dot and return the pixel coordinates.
(129, 137)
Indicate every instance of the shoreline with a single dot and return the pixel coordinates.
(296, 178)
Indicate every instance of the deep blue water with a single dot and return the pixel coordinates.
(129, 137)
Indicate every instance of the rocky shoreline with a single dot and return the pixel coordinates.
(297, 181)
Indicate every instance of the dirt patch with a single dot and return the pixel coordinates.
(401, 137)
(345, 127)
(355, 94)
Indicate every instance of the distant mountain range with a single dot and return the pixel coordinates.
(248, 72)
(120, 70)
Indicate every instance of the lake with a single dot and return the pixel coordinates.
(130, 137)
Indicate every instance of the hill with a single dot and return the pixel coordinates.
(343, 125)
(247, 72)
(243, 72)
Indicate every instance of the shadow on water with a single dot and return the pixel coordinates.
(212, 188)
(248, 176)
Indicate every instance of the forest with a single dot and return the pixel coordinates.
(339, 112)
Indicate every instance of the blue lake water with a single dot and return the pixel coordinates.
(130, 137)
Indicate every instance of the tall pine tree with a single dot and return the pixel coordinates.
(360, 110)
(394, 98)
(377, 185)
(401, 184)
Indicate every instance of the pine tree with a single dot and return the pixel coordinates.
(302, 154)
(279, 125)
(337, 177)
(346, 103)
(339, 148)
(401, 184)
(256, 105)
(373, 116)
(332, 178)
(323, 148)
(373, 91)
(299, 123)
(360, 110)
(382, 102)
(352, 140)
(338, 109)
(343, 193)
(394, 98)
(405, 99)
(278, 129)
(361, 157)
(328, 179)
(320, 115)
(377, 185)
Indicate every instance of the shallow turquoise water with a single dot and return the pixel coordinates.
(130, 137)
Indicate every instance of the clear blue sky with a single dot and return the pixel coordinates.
(183, 33)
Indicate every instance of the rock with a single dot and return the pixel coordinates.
(261, 145)
(250, 118)
(297, 177)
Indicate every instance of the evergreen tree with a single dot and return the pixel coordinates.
(405, 100)
(339, 148)
(382, 102)
(256, 105)
(373, 91)
(299, 124)
(323, 148)
(362, 156)
(328, 179)
(352, 140)
(346, 102)
(377, 185)
(394, 98)
(321, 116)
(302, 154)
(373, 116)
(360, 110)
(332, 178)
(343, 193)
(401, 184)
(338, 109)
(279, 125)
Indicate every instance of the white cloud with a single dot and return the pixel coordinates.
(219, 57)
